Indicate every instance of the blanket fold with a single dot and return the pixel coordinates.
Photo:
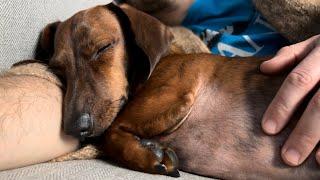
(297, 20)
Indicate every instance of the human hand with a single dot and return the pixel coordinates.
(302, 79)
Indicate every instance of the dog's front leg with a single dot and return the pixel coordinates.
(156, 111)
(158, 107)
(139, 154)
(147, 116)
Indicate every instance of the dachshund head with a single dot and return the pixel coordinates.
(101, 54)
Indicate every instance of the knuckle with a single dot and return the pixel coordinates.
(307, 140)
(286, 50)
(282, 108)
(300, 78)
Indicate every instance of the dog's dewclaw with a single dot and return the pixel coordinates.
(171, 161)
(174, 173)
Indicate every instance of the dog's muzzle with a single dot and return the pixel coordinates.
(82, 127)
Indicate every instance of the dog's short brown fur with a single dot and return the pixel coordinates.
(204, 108)
(221, 101)
(91, 53)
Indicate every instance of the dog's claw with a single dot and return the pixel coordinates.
(173, 157)
(166, 159)
(174, 173)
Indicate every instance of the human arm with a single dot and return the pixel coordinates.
(30, 121)
(170, 12)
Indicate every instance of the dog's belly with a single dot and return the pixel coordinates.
(222, 138)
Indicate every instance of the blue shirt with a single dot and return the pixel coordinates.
(233, 28)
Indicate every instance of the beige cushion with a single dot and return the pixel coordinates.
(22, 20)
(84, 170)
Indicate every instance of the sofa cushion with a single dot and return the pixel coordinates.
(84, 169)
(22, 21)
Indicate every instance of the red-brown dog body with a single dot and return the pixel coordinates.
(224, 100)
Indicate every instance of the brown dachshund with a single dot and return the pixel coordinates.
(202, 109)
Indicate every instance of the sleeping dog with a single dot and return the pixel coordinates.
(153, 110)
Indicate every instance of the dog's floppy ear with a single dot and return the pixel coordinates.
(45, 46)
(153, 37)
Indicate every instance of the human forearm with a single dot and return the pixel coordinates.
(30, 122)
(170, 12)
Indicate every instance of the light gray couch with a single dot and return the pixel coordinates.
(20, 24)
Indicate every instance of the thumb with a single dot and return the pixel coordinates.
(289, 56)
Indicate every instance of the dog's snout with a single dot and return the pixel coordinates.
(82, 127)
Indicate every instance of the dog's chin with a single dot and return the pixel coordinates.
(99, 130)
(105, 115)
(104, 121)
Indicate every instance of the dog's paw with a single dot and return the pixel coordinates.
(165, 159)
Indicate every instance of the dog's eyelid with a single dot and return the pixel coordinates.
(104, 48)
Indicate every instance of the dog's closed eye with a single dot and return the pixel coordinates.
(103, 49)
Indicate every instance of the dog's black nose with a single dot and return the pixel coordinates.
(82, 127)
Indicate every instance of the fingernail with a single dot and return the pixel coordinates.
(270, 126)
(292, 156)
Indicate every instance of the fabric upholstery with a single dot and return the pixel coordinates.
(298, 20)
(84, 169)
(22, 21)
